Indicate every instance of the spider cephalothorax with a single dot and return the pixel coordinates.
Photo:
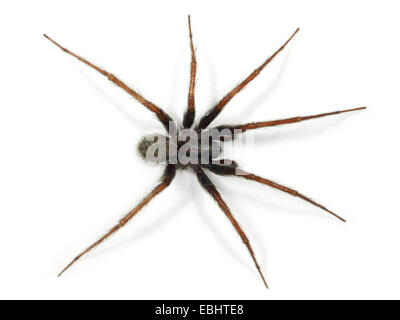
(198, 147)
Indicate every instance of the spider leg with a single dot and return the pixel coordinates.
(211, 189)
(263, 124)
(169, 174)
(161, 115)
(234, 170)
(190, 112)
(213, 113)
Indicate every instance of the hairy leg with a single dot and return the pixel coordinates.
(213, 113)
(211, 189)
(263, 124)
(161, 115)
(235, 171)
(169, 174)
(190, 112)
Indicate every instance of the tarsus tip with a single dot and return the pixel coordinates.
(61, 273)
(47, 37)
(63, 270)
(357, 109)
(337, 216)
(333, 214)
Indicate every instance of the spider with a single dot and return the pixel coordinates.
(201, 131)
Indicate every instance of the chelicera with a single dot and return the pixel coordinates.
(197, 146)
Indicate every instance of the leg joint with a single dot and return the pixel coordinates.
(111, 77)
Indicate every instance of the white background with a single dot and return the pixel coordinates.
(69, 167)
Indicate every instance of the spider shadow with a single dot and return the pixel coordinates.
(174, 109)
(295, 131)
(285, 205)
(256, 102)
(212, 82)
(263, 97)
(147, 230)
(299, 130)
(217, 235)
(252, 194)
(117, 106)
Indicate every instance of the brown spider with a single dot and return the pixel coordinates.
(200, 131)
